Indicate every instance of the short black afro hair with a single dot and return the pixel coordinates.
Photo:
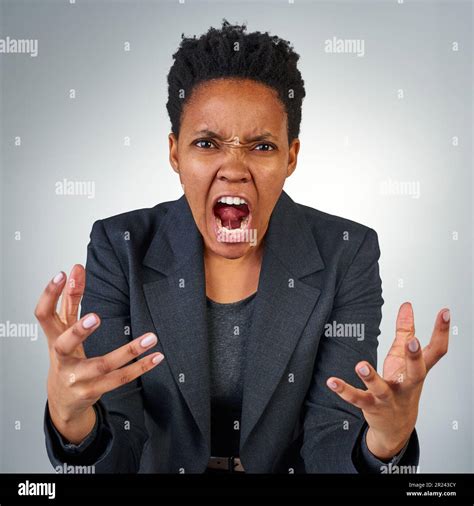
(229, 52)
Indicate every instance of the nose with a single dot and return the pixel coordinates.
(234, 173)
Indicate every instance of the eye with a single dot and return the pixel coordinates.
(265, 144)
(203, 141)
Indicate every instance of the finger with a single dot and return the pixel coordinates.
(405, 330)
(438, 345)
(69, 340)
(99, 366)
(72, 295)
(414, 362)
(373, 381)
(360, 398)
(45, 311)
(128, 373)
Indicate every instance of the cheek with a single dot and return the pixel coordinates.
(197, 179)
(269, 184)
(269, 187)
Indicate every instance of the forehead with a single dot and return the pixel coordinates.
(228, 104)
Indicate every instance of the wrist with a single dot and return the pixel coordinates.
(74, 429)
(383, 448)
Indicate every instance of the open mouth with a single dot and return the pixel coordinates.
(232, 217)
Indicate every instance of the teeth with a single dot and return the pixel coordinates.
(232, 200)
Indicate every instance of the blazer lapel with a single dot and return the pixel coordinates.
(177, 303)
(283, 305)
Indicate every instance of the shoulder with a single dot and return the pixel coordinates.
(338, 237)
(138, 225)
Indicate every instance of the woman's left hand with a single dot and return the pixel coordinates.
(390, 403)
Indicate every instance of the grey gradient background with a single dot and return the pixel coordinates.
(355, 134)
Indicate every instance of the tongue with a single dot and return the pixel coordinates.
(231, 215)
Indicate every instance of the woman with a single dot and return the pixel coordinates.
(250, 321)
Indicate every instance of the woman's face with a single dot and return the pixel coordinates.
(233, 142)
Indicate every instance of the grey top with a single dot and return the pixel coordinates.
(228, 329)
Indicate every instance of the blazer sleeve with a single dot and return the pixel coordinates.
(333, 429)
(115, 445)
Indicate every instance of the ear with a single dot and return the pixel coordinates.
(173, 151)
(293, 156)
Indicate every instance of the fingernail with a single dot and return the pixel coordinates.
(332, 384)
(89, 322)
(157, 358)
(148, 340)
(364, 370)
(57, 279)
(413, 345)
(446, 316)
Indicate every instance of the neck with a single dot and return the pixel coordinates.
(230, 280)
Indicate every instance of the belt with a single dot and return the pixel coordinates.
(231, 464)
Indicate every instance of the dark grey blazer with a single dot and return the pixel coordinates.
(145, 272)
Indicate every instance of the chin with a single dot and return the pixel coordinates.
(226, 243)
(230, 251)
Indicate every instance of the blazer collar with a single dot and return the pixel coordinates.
(288, 236)
(177, 303)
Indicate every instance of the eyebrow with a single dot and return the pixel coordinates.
(209, 133)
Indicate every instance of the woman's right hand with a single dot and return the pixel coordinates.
(76, 382)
